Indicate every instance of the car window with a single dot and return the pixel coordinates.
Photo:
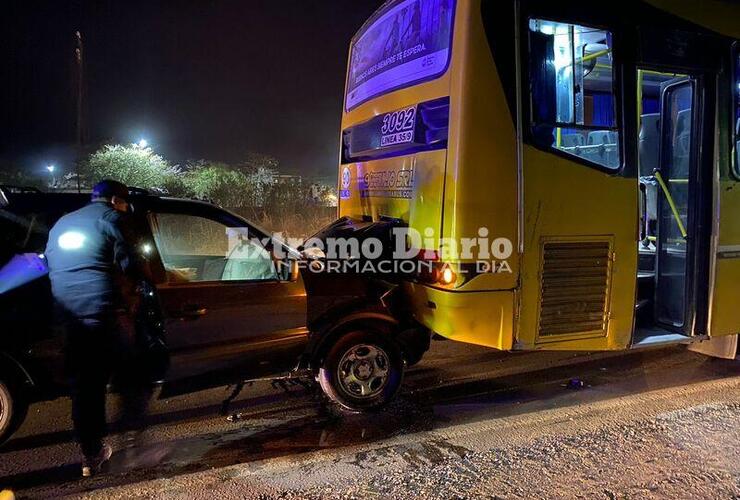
(11, 239)
(194, 248)
(25, 232)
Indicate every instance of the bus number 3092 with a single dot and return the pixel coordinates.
(398, 121)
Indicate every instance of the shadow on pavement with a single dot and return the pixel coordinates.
(180, 416)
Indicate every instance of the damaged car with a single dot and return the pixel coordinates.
(226, 301)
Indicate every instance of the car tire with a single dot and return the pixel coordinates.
(362, 371)
(12, 411)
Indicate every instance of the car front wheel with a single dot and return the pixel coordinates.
(362, 371)
(12, 411)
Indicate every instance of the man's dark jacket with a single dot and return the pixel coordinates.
(90, 261)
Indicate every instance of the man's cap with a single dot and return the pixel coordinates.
(109, 188)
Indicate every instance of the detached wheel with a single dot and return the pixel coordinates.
(362, 371)
(12, 411)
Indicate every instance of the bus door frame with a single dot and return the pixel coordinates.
(704, 78)
(665, 202)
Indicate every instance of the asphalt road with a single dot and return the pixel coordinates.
(469, 422)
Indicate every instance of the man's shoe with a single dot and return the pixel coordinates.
(91, 465)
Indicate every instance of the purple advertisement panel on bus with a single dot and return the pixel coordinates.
(408, 43)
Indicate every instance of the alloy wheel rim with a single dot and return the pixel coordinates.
(4, 405)
(364, 370)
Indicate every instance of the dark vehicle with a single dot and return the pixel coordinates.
(231, 300)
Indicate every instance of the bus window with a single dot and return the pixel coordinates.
(572, 91)
(406, 43)
(736, 112)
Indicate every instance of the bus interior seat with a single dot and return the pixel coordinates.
(599, 137)
(572, 140)
(612, 156)
(651, 195)
(648, 143)
(683, 122)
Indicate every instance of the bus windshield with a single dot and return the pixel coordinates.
(407, 42)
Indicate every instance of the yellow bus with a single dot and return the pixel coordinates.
(589, 150)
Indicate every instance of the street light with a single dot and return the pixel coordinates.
(142, 143)
(50, 168)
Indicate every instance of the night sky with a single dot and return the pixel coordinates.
(199, 78)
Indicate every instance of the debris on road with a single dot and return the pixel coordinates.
(575, 384)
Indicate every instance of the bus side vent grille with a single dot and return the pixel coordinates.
(575, 288)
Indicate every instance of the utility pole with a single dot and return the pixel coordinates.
(80, 107)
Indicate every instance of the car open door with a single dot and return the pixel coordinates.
(231, 311)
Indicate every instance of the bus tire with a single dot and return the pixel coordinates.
(362, 371)
(13, 410)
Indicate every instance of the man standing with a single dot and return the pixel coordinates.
(93, 280)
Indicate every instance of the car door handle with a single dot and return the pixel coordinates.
(193, 311)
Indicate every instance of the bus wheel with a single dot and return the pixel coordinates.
(12, 411)
(362, 371)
